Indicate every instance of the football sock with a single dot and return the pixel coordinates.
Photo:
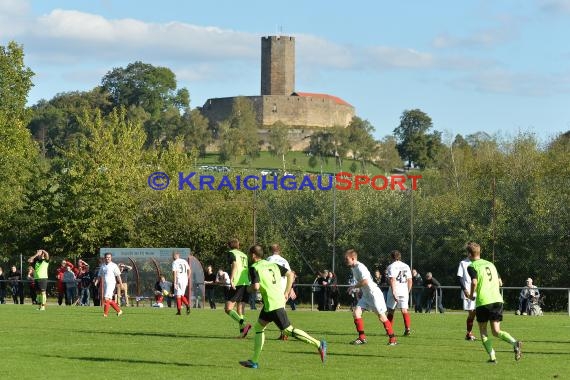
(114, 306)
(178, 303)
(106, 308)
(488, 347)
(407, 321)
(388, 328)
(359, 323)
(258, 341)
(507, 337)
(469, 325)
(185, 301)
(301, 335)
(235, 316)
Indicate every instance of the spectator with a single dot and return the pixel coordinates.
(85, 281)
(32, 285)
(529, 295)
(162, 290)
(417, 285)
(60, 271)
(3, 286)
(223, 280)
(322, 291)
(378, 278)
(70, 283)
(15, 278)
(432, 291)
(332, 292)
(123, 287)
(292, 300)
(210, 285)
(353, 292)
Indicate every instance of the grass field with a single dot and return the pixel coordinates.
(149, 343)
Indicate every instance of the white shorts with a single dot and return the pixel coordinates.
(109, 289)
(181, 289)
(402, 302)
(373, 302)
(468, 304)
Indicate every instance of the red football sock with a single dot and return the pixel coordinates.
(359, 323)
(106, 308)
(388, 328)
(114, 306)
(185, 301)
(178, 303)
(407, 321)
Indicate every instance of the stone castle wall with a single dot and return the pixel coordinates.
(293, 111)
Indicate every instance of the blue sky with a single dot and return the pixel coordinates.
(501, 67)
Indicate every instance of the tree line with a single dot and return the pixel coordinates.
(75, 169)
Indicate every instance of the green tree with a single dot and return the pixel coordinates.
(150, 87)
(98, 184)
(415, 144)
(238, 134)
(55, 124)
(360, 141)
(195, 132)
(388, 157)
(279, 140)
(18, 152)
(15, 82)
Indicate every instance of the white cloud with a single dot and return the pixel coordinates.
(13, 17)
(487, 38)
(501, 81)
(555, 6)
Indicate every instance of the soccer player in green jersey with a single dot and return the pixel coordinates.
(40, 261)
(266, 278)
(239, 281)
(485, 290)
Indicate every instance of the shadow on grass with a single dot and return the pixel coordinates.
(130, 361)
(151, 334)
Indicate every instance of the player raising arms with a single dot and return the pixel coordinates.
(180, 276)
(265, 278)
(400, 281)
(485, 290)
(239, 281)
(372, 298)
(109, 275)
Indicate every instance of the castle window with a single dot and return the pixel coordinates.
(274, 109)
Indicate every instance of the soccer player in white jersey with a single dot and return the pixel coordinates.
(180, 275)
(109, 275)
(468, 304)
(400, 281)
(279, 260)
(372, 299)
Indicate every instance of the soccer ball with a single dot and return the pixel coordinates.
(165, 293)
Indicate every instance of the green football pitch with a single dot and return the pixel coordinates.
(149, 343)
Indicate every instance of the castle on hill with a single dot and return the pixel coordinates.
(302, 112)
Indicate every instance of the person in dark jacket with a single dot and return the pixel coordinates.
(432, 291)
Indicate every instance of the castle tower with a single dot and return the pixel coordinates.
(277, 65)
